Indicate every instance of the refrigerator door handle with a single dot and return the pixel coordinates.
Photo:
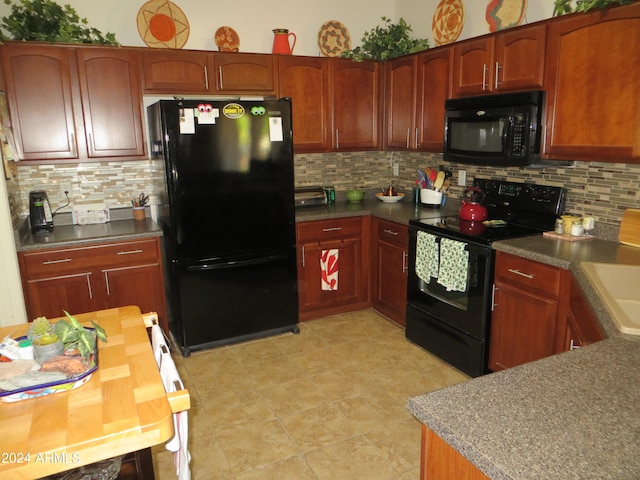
(236, 263)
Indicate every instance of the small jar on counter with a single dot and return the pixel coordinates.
(559, 228)
(25, 350)
(577, 230)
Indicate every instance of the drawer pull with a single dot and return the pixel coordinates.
(522, 274)
(391, 232)
(51, 262)
(332, 229)
(130, 252)
(405, 265)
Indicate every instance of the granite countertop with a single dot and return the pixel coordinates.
(572, 415)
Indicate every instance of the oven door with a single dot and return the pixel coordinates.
(467, 311)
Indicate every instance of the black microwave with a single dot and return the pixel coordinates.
(498, 130)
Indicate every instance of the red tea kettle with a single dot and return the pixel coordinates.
(472, 209)
(281, 41)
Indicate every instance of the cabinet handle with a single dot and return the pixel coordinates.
(493, 297)
(522, 274)
(484, 77)
(408, 137)
(206, 78)
(74, 147)
(89, 287)
(332, 229)
(64, 260)
(220, 77)
(391, 232)
(302, 254)
(130, 252)
(405, 263)
(106, 282)
(495, 82)
(337, 138)
(417, 144)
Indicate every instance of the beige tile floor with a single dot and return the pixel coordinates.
(327, 404)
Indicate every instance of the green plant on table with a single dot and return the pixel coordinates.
(560, 7)
(46, 21)
(386, 42)
(75, 336)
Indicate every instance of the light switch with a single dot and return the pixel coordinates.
(462, 178)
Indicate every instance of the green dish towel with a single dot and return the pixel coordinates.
(427, 256)
(454, 265)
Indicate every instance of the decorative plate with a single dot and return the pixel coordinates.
(448, 21)
(503, 14)
(333, 39)
(227, 39)
(162, 24)
(390, 198)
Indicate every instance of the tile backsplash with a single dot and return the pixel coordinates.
(602, 190)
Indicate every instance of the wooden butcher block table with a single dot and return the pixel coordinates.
(122, 408)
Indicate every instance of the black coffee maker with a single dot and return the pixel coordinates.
(40, 214)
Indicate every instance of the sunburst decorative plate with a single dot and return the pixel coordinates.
(333, 39)
(503, 14)
(227, 39)
(162, 24)
(448, 21)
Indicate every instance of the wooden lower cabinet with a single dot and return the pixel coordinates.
(94, 277)
(439, 461)
(348, 236)
(582, 327)
(389, 269)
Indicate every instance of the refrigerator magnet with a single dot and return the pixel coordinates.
(275, 129)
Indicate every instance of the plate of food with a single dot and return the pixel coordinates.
(390, 198)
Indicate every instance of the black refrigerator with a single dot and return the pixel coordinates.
(228, 219)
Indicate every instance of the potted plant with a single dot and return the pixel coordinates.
(386, 42)
(46, 21)
(75, 336)
(560, 7)
(45, 341)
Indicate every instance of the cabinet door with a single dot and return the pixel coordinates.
(400, 88)
(75, 293)
(111, 102)
(356, 104)
(39, 94)
(593, 86)
(139, 285)
(522, 327)
(244, 73)
(306, 81)
(389, 266)
(176, 71)
(434, 87)
(472, 61)
(311, 295)
(519, 58)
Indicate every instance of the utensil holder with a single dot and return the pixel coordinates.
(139, 214)
(430, 198)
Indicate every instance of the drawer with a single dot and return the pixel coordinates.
(528, 275)
(42, 263)
(392, 232)
(329, 229)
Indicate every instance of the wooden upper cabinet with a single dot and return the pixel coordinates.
(400, 101)
(39, 95)
(434, 87)
(177, 71)
(245, 73)
(306, 81)
(593, 86)
(111, 102)
(356, 104)
(512, 60)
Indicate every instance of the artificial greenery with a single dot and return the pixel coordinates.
(560, 7)
(75, 336)
(388, 41)
(46, 21)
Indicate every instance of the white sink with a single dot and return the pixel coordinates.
(619, 287)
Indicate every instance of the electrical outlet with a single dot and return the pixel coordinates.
(462, 178)
(396, 169)
(65, 187)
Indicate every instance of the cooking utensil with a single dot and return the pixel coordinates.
(437, 183)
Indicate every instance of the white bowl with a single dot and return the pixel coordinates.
(390, 198)
(430, 197)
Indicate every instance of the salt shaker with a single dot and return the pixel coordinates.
(559, 228)
(577, 230)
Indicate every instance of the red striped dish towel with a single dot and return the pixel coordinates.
(329, 269)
